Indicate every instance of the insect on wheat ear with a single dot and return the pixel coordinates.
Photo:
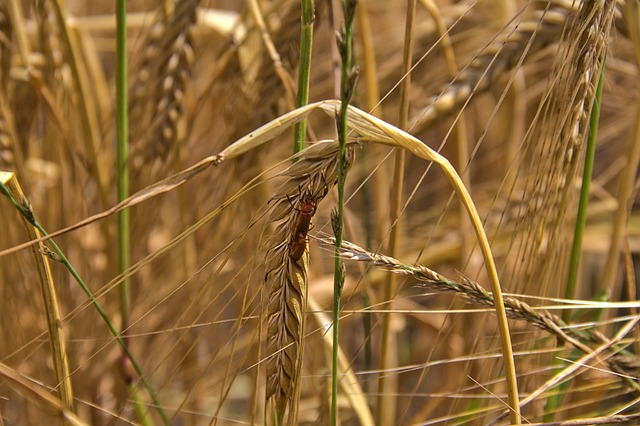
(307, 209)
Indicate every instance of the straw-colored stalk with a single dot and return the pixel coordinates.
(283, 74)
(49, 298)
(28, 387)
(88, 119)
(388, 383)
(626, 189)
(349, 384)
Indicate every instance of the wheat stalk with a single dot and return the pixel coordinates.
(48, 291)
(34, 392)
(286, 272)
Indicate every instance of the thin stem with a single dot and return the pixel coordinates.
(367, 229)
(122, 155)
(581, 218)
(628, 176)
(386, 406)
(122, 167)
(347, 87)
(304, 70)
(90, 132)
(462, 162)
(372, 98)
(372, 92)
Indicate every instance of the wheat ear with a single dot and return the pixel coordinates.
(10, 154)
(543, 27)
(286, 273)
(558, 141)
(6, 34)
(476, 294)
(161, 80)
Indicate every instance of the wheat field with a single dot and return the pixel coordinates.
(489, 264)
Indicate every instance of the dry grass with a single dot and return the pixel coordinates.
(229, 297)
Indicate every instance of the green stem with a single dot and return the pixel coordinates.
(124, 257)
(581, 218)
(347, 86)
(304, 70)
(122, 167)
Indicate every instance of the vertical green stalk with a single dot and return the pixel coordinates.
(347, 85)
(122, 129)
(124, 235)
(304, 70)
(581, 219)
(122, 168)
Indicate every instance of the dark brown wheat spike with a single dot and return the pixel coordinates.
(157, 95)
(5, 46)
(51, 46)
(250, 81)
(559, 138)
(9, 148)
(286, 276)
(10, 153)
(542, 27)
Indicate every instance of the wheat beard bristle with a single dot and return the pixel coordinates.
(558, 141)
(286, 276)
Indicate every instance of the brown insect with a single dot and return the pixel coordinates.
(298, 243)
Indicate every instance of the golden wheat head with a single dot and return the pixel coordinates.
(286, 272)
